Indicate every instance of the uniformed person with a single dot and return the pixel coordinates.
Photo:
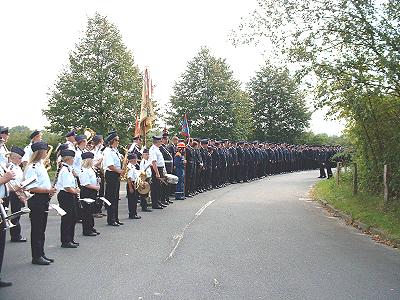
(97, 151)
(39, 202)
(145, 166)
(4, 134)
(35, 136)
(68, 192)
(15, 158)
(70, 139)
(4, 178)
(157, 166)
(112, 167)
(133, 194)
(136, 147)
(179, 170)
(89, 187)
(168, 161)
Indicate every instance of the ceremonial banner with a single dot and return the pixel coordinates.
(185, 127)
(147, 114)
(137, 127)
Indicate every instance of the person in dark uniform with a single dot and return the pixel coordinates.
(179, 170)
(4, 178)
(189, 170)
(168, 161)
(133, 194)
(39, 202)
(112, 167)
(136, 147)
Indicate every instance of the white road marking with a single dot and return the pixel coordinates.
(179, 236)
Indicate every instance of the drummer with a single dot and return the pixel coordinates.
(131, 189)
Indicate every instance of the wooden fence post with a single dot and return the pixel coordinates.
(355, 182)
(338, 169)
(385, 185)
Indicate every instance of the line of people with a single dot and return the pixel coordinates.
(89, 175)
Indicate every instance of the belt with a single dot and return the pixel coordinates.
(168, 161)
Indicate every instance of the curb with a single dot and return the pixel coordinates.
(376, 234)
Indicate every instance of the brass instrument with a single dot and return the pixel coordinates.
(18, 187)
(46, 161)
(3, 144)
(89, 133)
(141, 185)
(7, 219)
(124, 173)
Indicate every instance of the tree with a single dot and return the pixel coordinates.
(211, 98)
(279, 109)
(349, 48)
(101, 87)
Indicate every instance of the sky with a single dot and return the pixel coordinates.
(37, 36)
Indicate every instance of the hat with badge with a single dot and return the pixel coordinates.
(80, 138)
(62, 147)
(157, 138)
(39, 146)
(86, 155)
(111, 135)
(3, 129)
(71, 133)
(17, 150)
(67, 152)
(204, 141)
(145, 150)
(97, 138)
(34, 133)
(132, 156)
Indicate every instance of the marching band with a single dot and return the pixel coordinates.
(89, 172)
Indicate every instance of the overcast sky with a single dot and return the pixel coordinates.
(36, 37)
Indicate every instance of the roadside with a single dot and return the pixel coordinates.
(363, 211)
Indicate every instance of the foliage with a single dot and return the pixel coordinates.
(212, 99)
(310, 138)
(364, 207)
(278, 107)
(100, 88)
(347, 51)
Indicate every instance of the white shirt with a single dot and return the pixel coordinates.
(71, 145)
(78, 160)
(65, 178)
(19, 175)
(39, 171)
(28, 153)
(111, 157)
(2, 186)
(156, 155)
(133, 174)
(87, 176)
(98, 155)
(3, 152)
(143, 166)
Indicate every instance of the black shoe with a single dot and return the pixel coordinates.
(170, 202)
(95, 231)
(113, 224)
(90, 234)
(75, 243)
(20, 240)
(157, 207)
(162, 205)
(68, 245)
(5, 283)
(119, 222)
(40, 261)
(48, 259)
(136, 217)
(146, 209)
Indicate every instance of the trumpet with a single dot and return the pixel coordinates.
(7, 219)
(18, 187)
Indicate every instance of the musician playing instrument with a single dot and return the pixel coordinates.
(90, 185)
(70, 139)
(97, 164)
(133, 195)
(35, 136)
(113, 168)
(67, 197)
(145, 166)
(15, 159)
(4, 178)
(39, 202)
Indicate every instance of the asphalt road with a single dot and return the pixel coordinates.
(259, 240)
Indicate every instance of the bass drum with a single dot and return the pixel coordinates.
(171, 179)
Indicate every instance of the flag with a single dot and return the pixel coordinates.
(147, 114)
(185, 127)
(137, 127)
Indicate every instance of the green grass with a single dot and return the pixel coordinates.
(363, 207)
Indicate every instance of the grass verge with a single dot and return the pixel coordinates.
(363, 207)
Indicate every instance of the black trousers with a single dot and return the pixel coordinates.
(2, 244)
(87, 209)
(112, 195)
(99, 203)
(16, 205)
(69, 203)
(155, 188)
(132, 201)
(39, 206)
